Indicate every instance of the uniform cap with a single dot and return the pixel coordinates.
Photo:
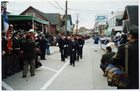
(25, 32)
(11, 33)
(15, 32)
(133, 29)
(21, 34)
(43, 35)
(38, 31)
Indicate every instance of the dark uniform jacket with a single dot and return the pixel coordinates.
(29, 51)
(61, 43)
(133, 63)
(16, 44)
(4, 42)
(43, 44)
(106, 57)
(73, 46)
(81, 42)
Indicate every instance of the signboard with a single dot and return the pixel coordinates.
(99, 18)
(33, 14)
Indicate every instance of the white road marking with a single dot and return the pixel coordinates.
(52, 79)
(7, 87)
(48, 68)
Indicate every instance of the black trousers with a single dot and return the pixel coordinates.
(73, 57)
(62, 50)
(65, 52)
(79, 53)
(21, 64)
(15, 63)
(9, 59)
(43, 53)
(103, 67)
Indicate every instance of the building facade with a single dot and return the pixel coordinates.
(115, 22)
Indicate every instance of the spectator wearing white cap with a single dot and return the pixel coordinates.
(31, 31)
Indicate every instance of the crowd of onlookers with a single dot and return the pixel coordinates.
(125, 56)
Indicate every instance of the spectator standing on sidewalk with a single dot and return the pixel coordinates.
(29, 55)
(43, 42)
(31, 31)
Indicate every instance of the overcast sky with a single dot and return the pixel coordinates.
(86, 9)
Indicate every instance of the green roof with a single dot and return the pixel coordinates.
(25, 17)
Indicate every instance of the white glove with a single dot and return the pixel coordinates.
(72, 49)
(64, 45)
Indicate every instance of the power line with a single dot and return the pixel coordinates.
(86, 10)
(59, 6)
(53, 5)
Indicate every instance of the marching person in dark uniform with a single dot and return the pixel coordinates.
(3, 56)
(16, 52)
(80, 46)
(133, 59)
(77, 47)
(66, 46)
(68, 49)
(43, 42)
(73, 45)
(29, 55)
(61, 46)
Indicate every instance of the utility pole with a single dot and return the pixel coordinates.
(77, 24)
(66, 19)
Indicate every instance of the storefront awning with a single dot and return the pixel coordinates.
(26, 17)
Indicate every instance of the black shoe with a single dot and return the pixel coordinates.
(70, 64)
(73, 65)
(44, 59)
(16, 71)
(33, 75)
(77, 60)
(12, 73)
(4, 77)
(24, 76)
(8, 74)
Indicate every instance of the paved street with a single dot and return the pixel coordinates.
(58, 75)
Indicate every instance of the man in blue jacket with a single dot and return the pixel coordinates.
(96, 39)
(43, 43)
